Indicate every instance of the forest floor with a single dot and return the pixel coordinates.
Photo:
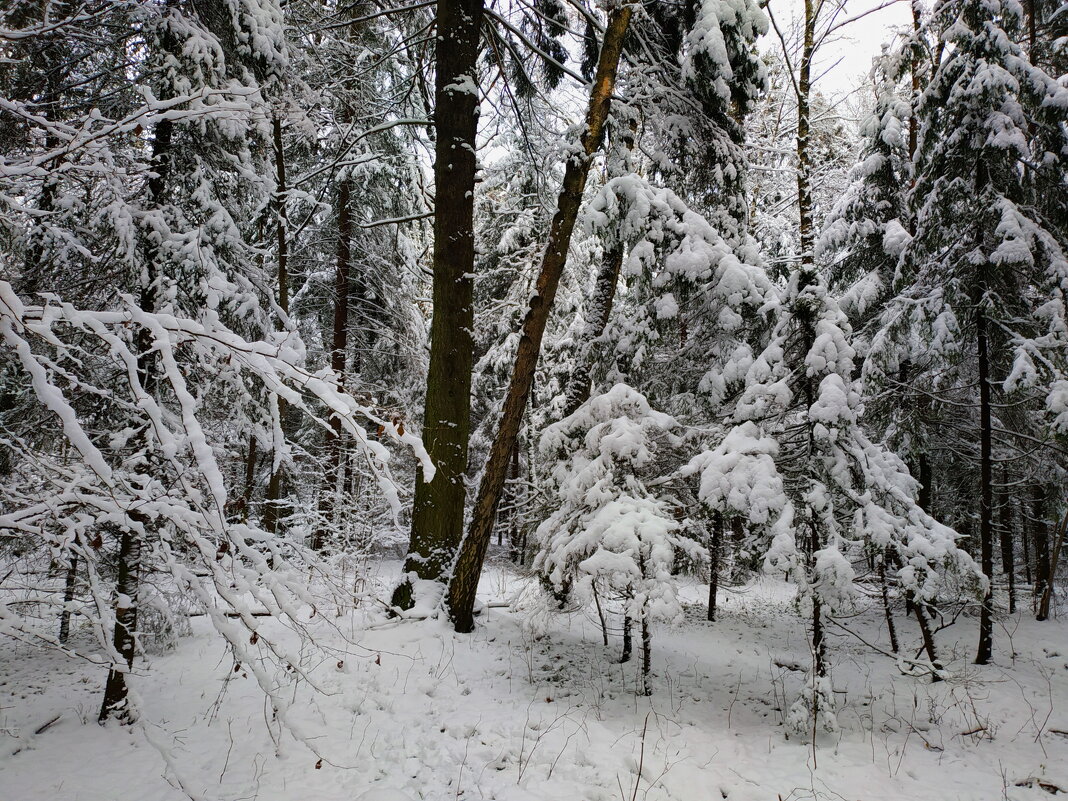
(507, 715)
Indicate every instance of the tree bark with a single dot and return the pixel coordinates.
(464, 581)
(1047, 592)
(273, 497)
(714, 545)
(1041, 534)
(438, 511)
(986, 489)
(339, 343)
(600, 311)
(68, 598)
(887, 612)
(124, 638)
(804, 161)
(1008, 557)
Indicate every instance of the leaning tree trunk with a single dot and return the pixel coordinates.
(464, 581)
(438, 511)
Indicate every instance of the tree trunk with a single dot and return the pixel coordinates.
(127, 584)
(928, 638)
(68, 598)
(464, 581)
(124, 639)
(1041, 533)
(804, 161)
(273, 497)
(647, 656)
(887, 612)
(714, 544)
(438, 511)
(986, 489)
(598, 314)
(328, 499)
(1047, 592)
(1008, 557)
(627, 642)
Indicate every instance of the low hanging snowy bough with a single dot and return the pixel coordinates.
(115, 452)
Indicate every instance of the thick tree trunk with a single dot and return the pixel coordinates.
(438, 512)
(339, 344)
(986, 489)
(273, 497)
(464, 581)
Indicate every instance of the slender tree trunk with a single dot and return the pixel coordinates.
(339, 344)
(250, 476)
(600, 615)
(1047, 592)
(1008, 557)
(127, 586)
(1041, 531)
(647, 656)
(513, 518)
(598, 315)
(124, 639)
(68, 598)
(438, 512)
(464, 581)
(1025, 541)
(887, 612)
(928, 637)
(986, 489)
(714, 544)
(273, 497)
(628, 646)
(804, 161)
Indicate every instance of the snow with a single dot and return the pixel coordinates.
(413, 712)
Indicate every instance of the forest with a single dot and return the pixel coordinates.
(521, 400)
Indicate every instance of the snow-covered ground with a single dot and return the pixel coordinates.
(410, 709)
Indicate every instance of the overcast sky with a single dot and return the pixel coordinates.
(856, 45)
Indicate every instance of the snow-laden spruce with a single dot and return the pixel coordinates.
(798, 467)
(611, 535)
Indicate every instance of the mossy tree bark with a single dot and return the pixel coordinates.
(438, 512)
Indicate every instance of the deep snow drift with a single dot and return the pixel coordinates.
(412, 711)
